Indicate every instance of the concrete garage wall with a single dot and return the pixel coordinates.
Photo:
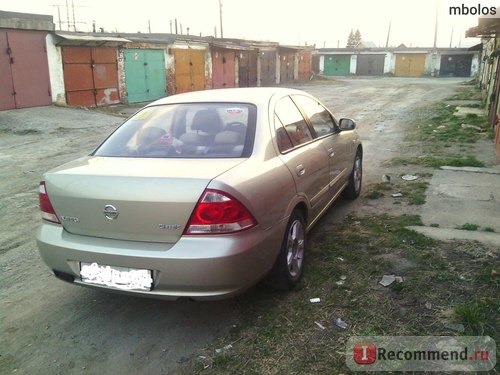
(56, 73)
(26, 21)
(389, 63)
(354, 64)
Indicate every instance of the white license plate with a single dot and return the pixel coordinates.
(116, 277)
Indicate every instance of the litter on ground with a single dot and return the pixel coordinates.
(389, 279)
(340, 323)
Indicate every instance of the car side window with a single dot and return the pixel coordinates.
(321, 119)
(293, 122)
(282, 138)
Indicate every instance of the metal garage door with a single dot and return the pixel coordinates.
(90, 76)
(189, 70)
(247, 69)
(370, 65)
(24, 70)
(410, 65)
(267, 68)
(305, 65)
(287, 66)
(337, 65)
(223, 69)
(455, 66)
(145, 74)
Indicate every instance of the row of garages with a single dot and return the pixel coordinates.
(403, 63)
(41, 67)
(488, 29)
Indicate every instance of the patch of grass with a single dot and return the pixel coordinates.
(467, 93)
(468, 226)
(277, 333)
(413, 192)
(376, 191)
(440, 124)
(489, 229)
(476, 315)
(436, 162)
(375, 194)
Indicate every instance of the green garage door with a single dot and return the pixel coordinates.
(145, 75)
(337, 65)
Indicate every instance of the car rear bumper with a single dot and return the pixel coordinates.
(197, 267)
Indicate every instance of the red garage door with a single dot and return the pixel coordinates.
(223, 69)
(90, 76)
(24, 69)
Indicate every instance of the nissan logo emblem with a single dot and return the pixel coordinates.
(110, 212)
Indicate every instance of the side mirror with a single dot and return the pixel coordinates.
(347, 124)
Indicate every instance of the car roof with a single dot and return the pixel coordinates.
(255, 95)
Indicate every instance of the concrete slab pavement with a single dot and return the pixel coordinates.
(458, 196)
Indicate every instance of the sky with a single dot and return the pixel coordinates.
(324, 23)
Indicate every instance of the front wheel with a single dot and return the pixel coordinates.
(290, 263)
(354, 186)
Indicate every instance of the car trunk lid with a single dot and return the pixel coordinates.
(130, 198)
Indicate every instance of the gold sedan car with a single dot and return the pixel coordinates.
(200, 195)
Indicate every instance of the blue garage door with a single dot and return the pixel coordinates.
(145, 75)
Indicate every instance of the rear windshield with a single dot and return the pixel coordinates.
(201, 130)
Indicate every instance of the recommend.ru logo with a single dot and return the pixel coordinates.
(421, 353)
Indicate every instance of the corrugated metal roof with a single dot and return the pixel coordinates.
(231, 45)
(89, 40)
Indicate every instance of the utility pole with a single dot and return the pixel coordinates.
(451, 38)
(58, 15)
(436, 28)
(220, 18)
(67, 14)
(73, 11)
(388, 35)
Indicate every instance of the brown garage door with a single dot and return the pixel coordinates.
(90, 76)
(287, 67)
(189, 70)
(305, 65)
(247, 69)
(267, 67)
(410, 65)
(24, 69)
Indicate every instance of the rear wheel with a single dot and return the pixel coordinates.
(354, 187)
(290, 263)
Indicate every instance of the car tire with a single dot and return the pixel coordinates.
(354, 186)
(289, 265)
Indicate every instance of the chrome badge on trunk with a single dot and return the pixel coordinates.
(110, 212)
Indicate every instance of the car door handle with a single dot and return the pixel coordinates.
(300, 170)
(331, 153)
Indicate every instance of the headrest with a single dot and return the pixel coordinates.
(207, 120)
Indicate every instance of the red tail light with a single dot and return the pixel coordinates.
(48, 212)
(218, 213)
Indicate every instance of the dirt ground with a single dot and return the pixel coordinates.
(49, 327)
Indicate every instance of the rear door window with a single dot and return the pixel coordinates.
(201, 130)
(293, 123)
